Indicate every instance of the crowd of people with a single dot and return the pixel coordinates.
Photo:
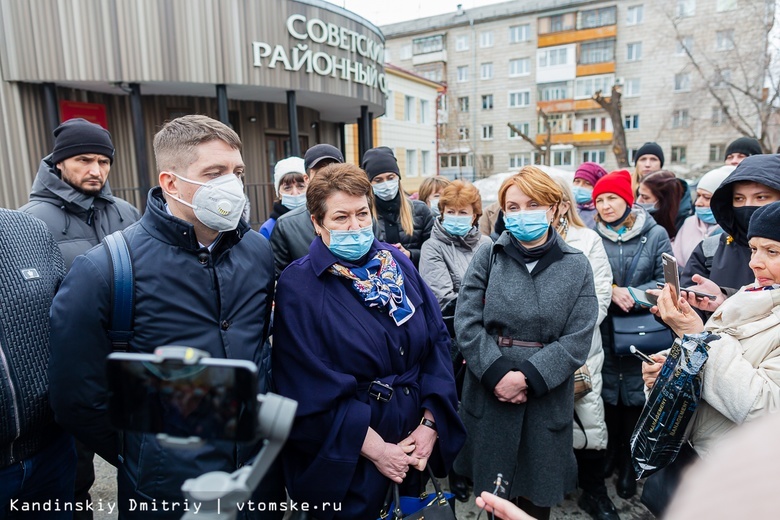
(415, 331)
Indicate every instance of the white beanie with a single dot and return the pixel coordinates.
(285, 166)
(711, 180)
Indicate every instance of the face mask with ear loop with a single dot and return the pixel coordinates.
(219, 203)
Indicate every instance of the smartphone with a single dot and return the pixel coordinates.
(701, 295)
(211, 399)
(672, 276)
(641, 355)
(643, 298)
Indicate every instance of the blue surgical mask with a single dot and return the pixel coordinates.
(293, 201)
(386, 190)
(434, 205)
(351, 244)
(582, 195)
(705, 215)
(527, 226)
(650, 208)
(457, 225)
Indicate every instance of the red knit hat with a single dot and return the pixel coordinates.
(617, 182)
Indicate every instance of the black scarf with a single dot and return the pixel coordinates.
(390, 211)
(534, 254)
(278, 210)
(619, 222)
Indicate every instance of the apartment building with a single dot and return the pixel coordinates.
(678, 62)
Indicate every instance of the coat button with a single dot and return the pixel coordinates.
(406, 390)
(401, 351)
(225, 325)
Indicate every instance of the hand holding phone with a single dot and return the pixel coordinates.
(641, 355)
(672, 277)
(643, 298)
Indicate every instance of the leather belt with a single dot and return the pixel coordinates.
(505, 341)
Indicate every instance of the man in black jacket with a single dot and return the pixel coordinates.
(203, 279)
(37, 459)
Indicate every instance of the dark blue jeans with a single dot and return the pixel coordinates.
(39, 485)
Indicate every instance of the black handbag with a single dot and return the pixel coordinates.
(431, 507)
(659, 487)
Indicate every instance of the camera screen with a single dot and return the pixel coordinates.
(206, 401)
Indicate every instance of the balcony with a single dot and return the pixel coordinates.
(568, 105)
(576, 36)
(596, 68)
(430, 57)
(581, 139)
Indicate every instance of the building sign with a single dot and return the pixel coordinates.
(302, 58)
(92, 112)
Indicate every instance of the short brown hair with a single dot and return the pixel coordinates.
(461, 193)
(430, 185)
(343, 177)
(535, 183)
(176, 143)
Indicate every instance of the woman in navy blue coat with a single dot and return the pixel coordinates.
(359, 342)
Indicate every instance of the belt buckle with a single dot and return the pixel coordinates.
(381, 391)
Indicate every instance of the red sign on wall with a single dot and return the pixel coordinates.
(92, 112)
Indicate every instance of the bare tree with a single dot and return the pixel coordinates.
(544, 148)
(613, 106)
(738, 71)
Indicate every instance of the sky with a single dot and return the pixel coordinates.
(383, 12)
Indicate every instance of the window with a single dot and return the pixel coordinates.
(634, 51)
(596, 156)
(487, 102)
(553, 91)
(722, 78)
(486, 71)
(524, 127)
(518, 160)
(562, 157)
(680, 118)
(594, 124)
(463, 133)
(455, 161)
(463, 104)
(433, 75)
(685, 43)
(552, 57)
(425, 155)
(718, 115)
(487, 132)
(462, 43)
(487, 162)
(463, 73)
(519, 67)
(724, 40)
(559, 123)
(558, 24)
(519, 33)
(635, 14)
(519, 98)
(678, 154)
(597, 52)
(686, 8)
(633, 87)
(409, 108)
(486, 39)
(585, 87)
(717, 152)
(682, 82)
(428, 44)
(631, 121)
(411, 163)
(425, 118)
(597, 17)
(726, 5)
(406, 52)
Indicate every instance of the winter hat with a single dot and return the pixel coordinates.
(590, 172)
(617, 182)
(744, 145)
(650, 149)
(377, 161)
(319, 152)
(765, 222)
(713, 178)
(76, 136)
(285, 166)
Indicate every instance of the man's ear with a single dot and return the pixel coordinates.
(167, 183)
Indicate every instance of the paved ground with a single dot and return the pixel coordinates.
(105, 489)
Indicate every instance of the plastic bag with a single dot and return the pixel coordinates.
(660, 431)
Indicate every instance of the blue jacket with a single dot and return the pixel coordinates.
(217, 301)
(328, 347)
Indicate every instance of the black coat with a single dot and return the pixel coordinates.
(387, 226)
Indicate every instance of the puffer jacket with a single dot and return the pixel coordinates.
(623, 374)
(216, 300)
(444, 259)
(423, 222)
(77, 221)
(590, 428)
(31, 269)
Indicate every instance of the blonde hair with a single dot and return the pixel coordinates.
(535, 183)
(176, 144)
(571, 214)
(430, 185)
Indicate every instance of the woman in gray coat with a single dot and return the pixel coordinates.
(524, 322)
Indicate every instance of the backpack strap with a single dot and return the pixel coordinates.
(122, 291)
(709, 246)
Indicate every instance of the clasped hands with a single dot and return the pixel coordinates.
(394, 460)
(513, 388)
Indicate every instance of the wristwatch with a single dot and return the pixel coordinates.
(430, 424)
